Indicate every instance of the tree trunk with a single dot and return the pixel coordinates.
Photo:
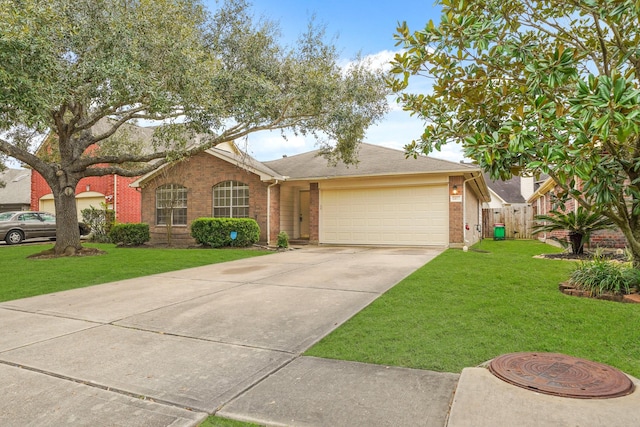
(577, 246)
(67, 231)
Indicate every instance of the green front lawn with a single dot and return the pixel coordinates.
(462, 309)
(21, 277)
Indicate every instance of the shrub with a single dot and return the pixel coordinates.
(600, 275)
(129, 234)
(580, 224)
(99, 222)
(283, 240)
(216, 232)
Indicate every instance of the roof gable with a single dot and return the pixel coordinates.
(509, 191)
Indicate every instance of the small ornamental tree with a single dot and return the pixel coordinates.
(580, 224)
(535, 86)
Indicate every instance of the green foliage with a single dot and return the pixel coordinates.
(545, 87)
(283, 240)
(134, 234)
(464, 308)
(604, 276)
(580, 224)
(87, 69)
(100, 222)
(217, 232)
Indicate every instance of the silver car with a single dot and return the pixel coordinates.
(17, 226)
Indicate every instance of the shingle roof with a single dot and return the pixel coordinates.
(244, 160)
(510, 191)
(373, 160)
(17, 188)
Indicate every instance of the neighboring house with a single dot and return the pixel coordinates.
(543, 200)
(14, 196)
(508, 206)
(112, 190)
(385, 199)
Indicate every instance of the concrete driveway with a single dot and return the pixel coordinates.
(171, 348)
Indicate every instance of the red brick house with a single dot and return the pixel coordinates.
(113, 190)
(385, 199)
(543, 201)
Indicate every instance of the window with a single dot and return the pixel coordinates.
(231, 200)
(29, 217)
(47, 217)
(171, 205)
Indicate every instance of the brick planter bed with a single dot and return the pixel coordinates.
(567, 289)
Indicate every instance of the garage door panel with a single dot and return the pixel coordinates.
(401, 216)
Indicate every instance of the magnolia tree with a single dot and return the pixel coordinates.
(68, 66)
(535, 87)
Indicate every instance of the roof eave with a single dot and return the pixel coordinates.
(382, 175)
(546, 186)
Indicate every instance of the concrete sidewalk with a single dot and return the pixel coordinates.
(171, 348)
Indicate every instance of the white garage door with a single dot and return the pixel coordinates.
(391, 216)
(83, 201)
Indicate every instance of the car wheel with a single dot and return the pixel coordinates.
(14, 237)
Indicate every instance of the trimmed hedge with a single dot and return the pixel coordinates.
(129, 234)
(216, 232)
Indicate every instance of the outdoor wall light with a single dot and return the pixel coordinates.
(455, 190)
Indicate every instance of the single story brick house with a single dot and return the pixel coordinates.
(385, 199)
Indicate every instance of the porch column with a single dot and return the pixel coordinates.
(314, 213)
(274, 214)
(456, 216)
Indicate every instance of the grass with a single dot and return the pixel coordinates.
(214, 421)
(463, 309)
(21, 277)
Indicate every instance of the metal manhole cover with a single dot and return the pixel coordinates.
(561, 375)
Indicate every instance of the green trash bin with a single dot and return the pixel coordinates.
(498, 231)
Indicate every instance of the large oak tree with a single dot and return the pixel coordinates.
(537, 87)
(67, 66)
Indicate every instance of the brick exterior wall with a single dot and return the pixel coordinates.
(199, 175)
(314, 213)
(602, 238)
(456, 217)
(274, 215)
(127, 199)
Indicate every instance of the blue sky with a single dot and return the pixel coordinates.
(358, 27)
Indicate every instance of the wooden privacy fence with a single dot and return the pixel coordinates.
(517, 220)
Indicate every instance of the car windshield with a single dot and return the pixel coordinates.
(5, 216)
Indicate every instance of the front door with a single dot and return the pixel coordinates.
(304, 214)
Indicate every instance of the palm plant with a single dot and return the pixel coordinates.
(580, 224)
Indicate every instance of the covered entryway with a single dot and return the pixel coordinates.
(407, 215)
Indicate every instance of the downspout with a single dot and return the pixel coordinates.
(464, 210)
(115, 196)
(269, 211)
